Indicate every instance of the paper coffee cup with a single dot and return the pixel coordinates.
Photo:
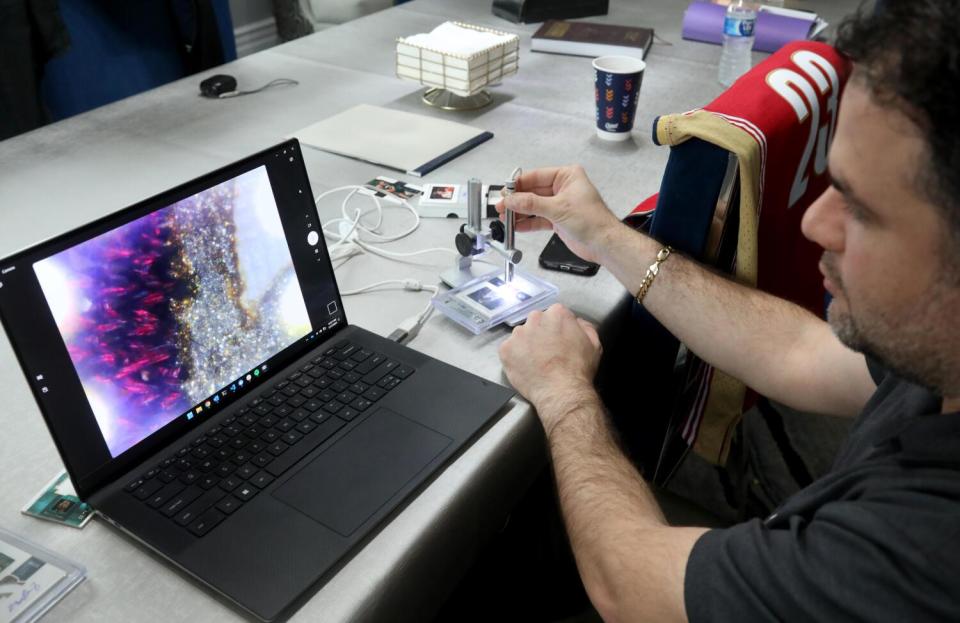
(616, 89)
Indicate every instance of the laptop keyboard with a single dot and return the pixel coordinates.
(216, 473)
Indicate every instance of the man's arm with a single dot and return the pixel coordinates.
(631, 562)
(772, 345)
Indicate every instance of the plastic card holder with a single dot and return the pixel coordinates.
(32, 578)
(487, 301)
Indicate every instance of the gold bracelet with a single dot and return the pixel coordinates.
(652, 273)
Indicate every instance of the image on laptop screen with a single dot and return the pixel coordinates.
(166, 310)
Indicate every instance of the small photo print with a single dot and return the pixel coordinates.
(385, 185)
(444, 193)
(487, 297)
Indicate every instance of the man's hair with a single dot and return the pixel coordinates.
(908, 54)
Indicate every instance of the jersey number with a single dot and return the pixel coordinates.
(795, 88)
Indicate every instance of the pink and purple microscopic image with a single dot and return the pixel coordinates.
(161, 313)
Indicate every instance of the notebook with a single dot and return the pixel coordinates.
(195, 367)
(407, 142)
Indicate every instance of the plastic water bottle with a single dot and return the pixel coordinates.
(738, 28)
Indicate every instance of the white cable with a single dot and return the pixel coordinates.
(412, 285)
(345, 237)
(356, 225)
(337, 190)
(376, 203)
(401, 254)
(425, 314)
(407, 329)
(354, 222)
(349, 243)
(346, 252)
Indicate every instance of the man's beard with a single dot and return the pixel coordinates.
(915, 350)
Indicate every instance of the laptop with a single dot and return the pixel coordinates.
(191, 357)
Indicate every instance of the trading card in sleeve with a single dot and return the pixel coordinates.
(495, 297)
(58, 502)
(24, 580)
(490, 300)
(381, 186)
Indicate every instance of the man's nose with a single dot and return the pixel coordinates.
(823, 222)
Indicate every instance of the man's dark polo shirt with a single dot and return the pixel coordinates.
(876, 539)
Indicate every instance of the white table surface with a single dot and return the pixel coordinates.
(66, 174)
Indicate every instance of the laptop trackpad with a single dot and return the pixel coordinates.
(345, 485)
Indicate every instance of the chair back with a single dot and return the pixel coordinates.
(741, 172)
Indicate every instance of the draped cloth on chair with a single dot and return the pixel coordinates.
(777, 121)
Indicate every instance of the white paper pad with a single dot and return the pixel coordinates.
(414, 144)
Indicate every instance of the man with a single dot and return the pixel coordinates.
(877, 537)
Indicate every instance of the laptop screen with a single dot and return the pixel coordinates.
(162, 313)
(166, 313)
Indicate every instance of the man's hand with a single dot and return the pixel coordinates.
(551, 360)
(563, 198)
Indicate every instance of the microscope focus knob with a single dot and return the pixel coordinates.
(464, 244)
(497, 231)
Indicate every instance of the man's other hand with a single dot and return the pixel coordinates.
(551, 360)
(563, 198)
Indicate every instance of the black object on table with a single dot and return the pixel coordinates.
(530, 11)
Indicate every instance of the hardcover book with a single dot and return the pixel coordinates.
(585, 39)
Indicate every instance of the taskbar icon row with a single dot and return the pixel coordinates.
(214, 401)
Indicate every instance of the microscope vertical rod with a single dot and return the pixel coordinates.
(510, 220)
(474, 201)
(474, 214)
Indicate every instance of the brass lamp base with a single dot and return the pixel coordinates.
(447, 100)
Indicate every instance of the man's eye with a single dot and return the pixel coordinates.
(854, 211)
